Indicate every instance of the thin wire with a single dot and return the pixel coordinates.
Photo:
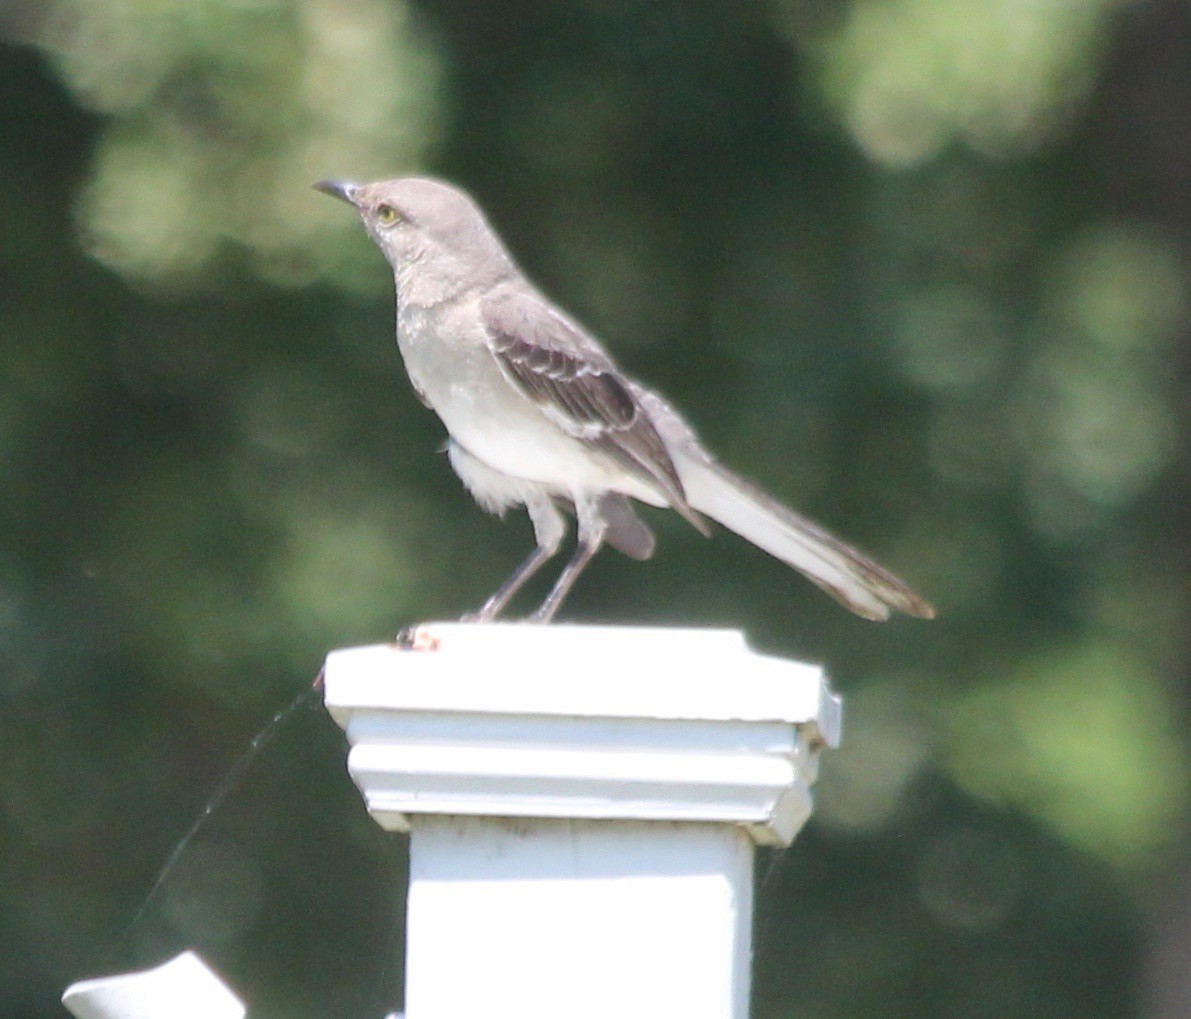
(230, 780)
(777, 857)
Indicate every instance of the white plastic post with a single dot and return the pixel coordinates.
(583, 803)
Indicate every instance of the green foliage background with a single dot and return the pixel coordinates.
(919, 266)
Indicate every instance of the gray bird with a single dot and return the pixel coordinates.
(540, 416)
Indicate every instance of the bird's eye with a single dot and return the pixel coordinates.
(386, 215)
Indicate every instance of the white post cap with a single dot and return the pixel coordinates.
(629, 723)
(183, 988)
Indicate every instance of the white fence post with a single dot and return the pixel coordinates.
(583, 804)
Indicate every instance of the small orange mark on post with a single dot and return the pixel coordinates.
(416, 638)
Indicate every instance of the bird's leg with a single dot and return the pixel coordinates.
(548, 529)
(497, 602)
(565, 582)
(592, 528)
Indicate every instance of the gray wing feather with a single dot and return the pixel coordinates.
(571, 378)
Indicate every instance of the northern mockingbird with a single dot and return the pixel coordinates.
(540, 416)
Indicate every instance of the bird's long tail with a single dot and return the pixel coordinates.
(846, 574)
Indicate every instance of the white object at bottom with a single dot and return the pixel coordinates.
(183, 988)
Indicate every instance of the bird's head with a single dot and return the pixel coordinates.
(426, 228)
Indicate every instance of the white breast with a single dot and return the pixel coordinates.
(449, 362)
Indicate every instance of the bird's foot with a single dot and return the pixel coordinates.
(486, 613)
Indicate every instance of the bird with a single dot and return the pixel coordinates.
(539, 414)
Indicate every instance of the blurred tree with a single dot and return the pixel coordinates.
(919, 266)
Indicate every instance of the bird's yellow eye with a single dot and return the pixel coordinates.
(386, 215)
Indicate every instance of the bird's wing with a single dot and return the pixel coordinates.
(578, 387)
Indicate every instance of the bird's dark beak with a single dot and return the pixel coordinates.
(341, 189)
